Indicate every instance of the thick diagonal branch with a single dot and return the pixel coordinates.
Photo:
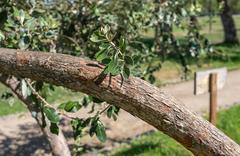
(136, 96)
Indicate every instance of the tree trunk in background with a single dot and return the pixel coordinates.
(134, 95)
(157, 35)
(230, 32)
(162, 31)
(58, 142)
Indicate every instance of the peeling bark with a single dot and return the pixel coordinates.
(58, 142)
(136, 96)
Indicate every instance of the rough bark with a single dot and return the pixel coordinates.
(58, 142)
(230, 32)
(136, 96)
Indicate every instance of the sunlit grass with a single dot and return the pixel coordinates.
(159, 144)
(216, 35)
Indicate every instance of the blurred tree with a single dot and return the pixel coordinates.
(233, 4)
(230, 32)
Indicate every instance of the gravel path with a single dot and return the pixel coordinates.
(19, 134)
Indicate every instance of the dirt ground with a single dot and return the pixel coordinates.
(20, 136)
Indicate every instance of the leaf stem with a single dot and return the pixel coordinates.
(106, 108)
(45, 102)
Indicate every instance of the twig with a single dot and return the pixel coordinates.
(38, 96)
(106, 108)
(113, 45)
(45, 102)
(60, 112)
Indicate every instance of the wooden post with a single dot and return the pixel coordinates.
(213, 98)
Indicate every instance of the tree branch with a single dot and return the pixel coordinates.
(136, 96)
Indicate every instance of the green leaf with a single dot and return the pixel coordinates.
(51, 87)
(87, 121)
(15, 12)
(151, 78)
(42, 21)
(2, 37)
(112, 112)
(61, 106)
(136, 58)
(21, 16)
(98, 128)
(39, 10)
(50, 34)
(24, 88)
(122, 44)
(102, 54)
(105, 29)
(106, 61)
(32, 3)
(113, 67)
(128, 60)
(86, 100)
(104, 46)
(51, 114)
(70, 106)
(93, 128)
(100, 131)
(114, 117)
(116, 71)
(77, 126)
(22, 44)
(54, 128)
(96, 100)
(38, 85)
(126, 72)
(96, 38)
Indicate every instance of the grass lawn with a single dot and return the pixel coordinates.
(10, 106)
(216, 35)
(156, 144)
(13, 105)
(161, 145)
(228, 56)
(229, 122)
(224, 56)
